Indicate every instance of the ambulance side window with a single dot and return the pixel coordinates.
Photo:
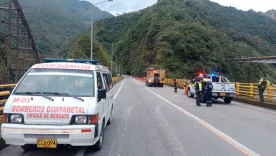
(110, 80)
(106, 81)
(99, 81)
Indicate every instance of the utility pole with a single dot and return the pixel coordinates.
(111, 58)
(91, 57)
(92, 25)
(116, 66)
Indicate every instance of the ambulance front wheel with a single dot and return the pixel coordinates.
(98, 146)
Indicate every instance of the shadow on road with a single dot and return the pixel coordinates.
(60, 151)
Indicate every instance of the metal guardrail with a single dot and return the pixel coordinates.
(180, 82)
(251, 90)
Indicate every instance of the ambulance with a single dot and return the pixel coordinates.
(62, 102)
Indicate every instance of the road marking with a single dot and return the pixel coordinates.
(119, 90)
(118, 141)
(211, 128)
(175, 143)
(83, 149)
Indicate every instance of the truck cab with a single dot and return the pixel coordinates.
(155, 77)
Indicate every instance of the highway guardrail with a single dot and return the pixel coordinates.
(251, 90)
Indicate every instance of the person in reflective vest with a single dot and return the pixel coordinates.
(198, 89)
(175, 85)
(261, 88)
(204, 83)
(208, 93)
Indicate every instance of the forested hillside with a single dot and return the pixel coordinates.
(55, 23)
(271, 14)
(190, 36)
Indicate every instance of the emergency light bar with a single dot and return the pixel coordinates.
(70, 60)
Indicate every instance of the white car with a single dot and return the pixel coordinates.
(222, 88)
(61, 102)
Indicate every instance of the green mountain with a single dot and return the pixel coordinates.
(55, 23)
(271, 14)
(191, 36)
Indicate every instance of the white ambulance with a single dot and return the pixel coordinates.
(60, 102)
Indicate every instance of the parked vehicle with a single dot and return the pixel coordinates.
(222, 88)
(61, 102)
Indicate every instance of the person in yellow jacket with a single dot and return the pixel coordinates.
(198, 89)
(204, 83)
(261, 87)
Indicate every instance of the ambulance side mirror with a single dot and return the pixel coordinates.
(101, 94)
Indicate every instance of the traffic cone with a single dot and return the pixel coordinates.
(186, 89)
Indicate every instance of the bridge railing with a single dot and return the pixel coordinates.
(180, 82)
(251, 90)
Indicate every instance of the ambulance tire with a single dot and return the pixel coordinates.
(98, 146)
(109, 120)
(27, 147)
(227, 100)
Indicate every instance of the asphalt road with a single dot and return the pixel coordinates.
(158, 122)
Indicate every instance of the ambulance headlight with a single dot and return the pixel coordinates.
(80, 119)
(16, 118)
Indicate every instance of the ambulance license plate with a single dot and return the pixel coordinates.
(46, 143)
(222, 94)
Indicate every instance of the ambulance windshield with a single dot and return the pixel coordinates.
(57, 82)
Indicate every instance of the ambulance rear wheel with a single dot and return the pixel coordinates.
(109, 120)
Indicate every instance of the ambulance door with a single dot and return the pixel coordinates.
(102, 102)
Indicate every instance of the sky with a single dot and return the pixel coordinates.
(120, 6)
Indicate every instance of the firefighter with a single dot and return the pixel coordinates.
(208, 93)
(198, 89)
(175, 85)
(261, 87)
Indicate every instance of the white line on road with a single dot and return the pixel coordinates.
(245, 150)
(119, 90)
(83, 149)
(118, 141)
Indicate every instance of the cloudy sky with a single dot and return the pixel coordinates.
(120, 6)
